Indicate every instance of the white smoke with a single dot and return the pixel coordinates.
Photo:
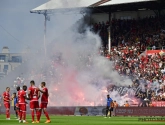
(79, 74)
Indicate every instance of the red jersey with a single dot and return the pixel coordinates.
(21, 97)
(33, 93)
(44, 98)
(6, 96)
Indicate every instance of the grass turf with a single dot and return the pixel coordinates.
(83, 120)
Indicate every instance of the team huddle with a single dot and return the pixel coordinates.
(33, 95)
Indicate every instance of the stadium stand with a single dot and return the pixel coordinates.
(132, 41)
(142, 33)
(131, 38)
(148, 70)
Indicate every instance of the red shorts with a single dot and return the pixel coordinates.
(7, 106)
(34, 105)
(43, 105)
(22, 107)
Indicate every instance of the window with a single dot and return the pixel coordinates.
(6, 67)
(17, 59)
(2, 57)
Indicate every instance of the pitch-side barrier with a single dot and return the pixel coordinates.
(99, 111)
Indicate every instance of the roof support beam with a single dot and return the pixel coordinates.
(99, 3)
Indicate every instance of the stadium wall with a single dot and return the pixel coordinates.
(100, 111)
(77, 111)
(99, 17)
(140, 111)
(134, 14)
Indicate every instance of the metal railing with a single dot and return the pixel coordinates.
(156, 48)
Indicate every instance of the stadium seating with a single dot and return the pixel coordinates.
(144, 33)
(138, 52)
(131, 40)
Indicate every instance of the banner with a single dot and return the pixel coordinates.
(100, 111)
(151, 52)
(61, 110)
(122, 90)
(158, 104)
(3, 110)
(140, 111)
(90, 111)
(51, 110)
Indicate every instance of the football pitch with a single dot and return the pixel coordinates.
(83, 120)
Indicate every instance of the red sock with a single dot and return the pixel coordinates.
(32, 113)
(24, 115)
(20, 113)
(38, 115)
(7, 114)
(46, 114)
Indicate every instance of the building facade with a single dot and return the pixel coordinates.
(9, 61)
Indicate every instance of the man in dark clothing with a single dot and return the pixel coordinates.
(15, 103)
(109, 101)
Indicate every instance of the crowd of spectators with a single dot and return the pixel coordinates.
(130, 38)
(19, 80)
(143, 33)
(35, 74)
(147, 71)
(43, 72)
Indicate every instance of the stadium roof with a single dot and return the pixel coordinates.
(131, 6)
(113, 2)
(64, 4)
(70, 4)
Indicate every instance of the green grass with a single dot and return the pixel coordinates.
(83, 120)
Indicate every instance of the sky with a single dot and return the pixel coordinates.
(20, 29)
(17, 21)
